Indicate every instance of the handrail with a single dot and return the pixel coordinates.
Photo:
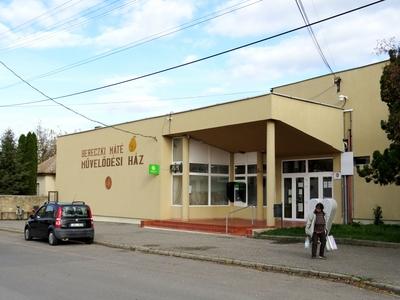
(237, 210)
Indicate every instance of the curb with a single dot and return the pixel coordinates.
(342, 241)
(343, 278)
(337, 277)
(13, 230)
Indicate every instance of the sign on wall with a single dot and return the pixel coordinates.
(111, 156)
(154, 169)
(347, 163)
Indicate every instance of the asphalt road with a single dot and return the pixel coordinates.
(34, 270)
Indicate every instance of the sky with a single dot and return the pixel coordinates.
(66, 46)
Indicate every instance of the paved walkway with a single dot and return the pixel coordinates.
(377, 265)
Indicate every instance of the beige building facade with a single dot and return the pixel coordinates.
(296, 143)
(46, 177)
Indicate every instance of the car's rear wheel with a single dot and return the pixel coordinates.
(52, 239)
(27, 234)
(89, 241)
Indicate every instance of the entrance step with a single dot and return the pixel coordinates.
(236, 226)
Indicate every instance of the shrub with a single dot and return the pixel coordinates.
(378, 215)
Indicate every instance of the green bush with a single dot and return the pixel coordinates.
(378, 215)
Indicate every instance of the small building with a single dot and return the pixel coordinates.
(46, 176)
(301, 141)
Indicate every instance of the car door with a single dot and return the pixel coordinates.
(48, 219)
(35, 222)
(44, 220)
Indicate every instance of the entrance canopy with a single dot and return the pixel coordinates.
(301, 126)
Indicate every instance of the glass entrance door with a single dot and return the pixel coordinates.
(293, 192)
(288, 197)
(305, 179)
(300, 198)
(296, 189)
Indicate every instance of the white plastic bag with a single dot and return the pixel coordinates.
(330, 243)
(307, 243)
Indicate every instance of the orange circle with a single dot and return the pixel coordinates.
(132, 144)
(108, 182)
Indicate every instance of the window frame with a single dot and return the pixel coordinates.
(246, 174)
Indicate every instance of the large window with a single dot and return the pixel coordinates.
(208, 174)
(218, 190)
(320, 165)
(294, 166)
(177, 149)
(199, 190)
(177, 190)
(246, 171)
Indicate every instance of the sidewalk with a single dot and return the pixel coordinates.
(360, 265)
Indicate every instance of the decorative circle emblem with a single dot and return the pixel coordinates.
(132, 144)
(108, 182)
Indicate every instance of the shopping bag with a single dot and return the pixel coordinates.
(330, 243)
(307, 243)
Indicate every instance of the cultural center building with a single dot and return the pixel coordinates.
(301, 141)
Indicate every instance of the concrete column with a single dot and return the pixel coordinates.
(260, 192)
(185, 179)
(231, 171)
(271, 193)
(231, 166)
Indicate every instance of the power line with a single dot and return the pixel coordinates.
(207, 57)
(46, 14)
(69, 23)
(312, 34)
(74, 111)
(219, 53)
(151, 38)
(23, 105)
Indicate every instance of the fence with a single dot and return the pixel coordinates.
(27, 204)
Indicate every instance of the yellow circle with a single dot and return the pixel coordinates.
(132, 144)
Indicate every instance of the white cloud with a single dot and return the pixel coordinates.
(347, 42)
(42, 24)
(272, 62)
(261, 18)
(190, 58)
(56, 39)
(137, 97)
(152, 17)
(19, 11)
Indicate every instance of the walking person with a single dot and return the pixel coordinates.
(316, 230)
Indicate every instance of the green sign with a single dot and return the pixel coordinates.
(154, 169)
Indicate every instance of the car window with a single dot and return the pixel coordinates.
(41, 212)
(75, 211)
(49, 211)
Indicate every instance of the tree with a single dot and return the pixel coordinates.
(385, 167)
(27, 162)
(8, 164)
(46, 143)
(31, 160)
(18, 164)
(22, 175)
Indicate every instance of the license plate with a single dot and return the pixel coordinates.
(76, 225)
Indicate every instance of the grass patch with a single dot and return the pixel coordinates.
(371, 232)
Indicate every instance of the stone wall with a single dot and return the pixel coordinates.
(9, 203)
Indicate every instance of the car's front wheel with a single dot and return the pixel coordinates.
(52, 239)
(27, 234)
